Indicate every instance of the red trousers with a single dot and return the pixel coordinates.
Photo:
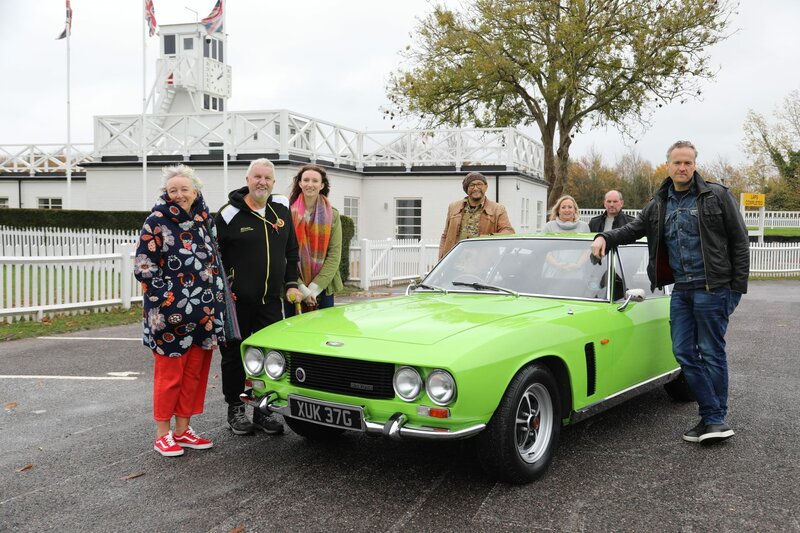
(179, 384)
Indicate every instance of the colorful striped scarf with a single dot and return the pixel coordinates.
(313, 235)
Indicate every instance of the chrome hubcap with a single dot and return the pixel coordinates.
(534, 422)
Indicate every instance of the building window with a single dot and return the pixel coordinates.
(3, 201)
(212, 48)
(351, 210)
(212, 103)
(50, 203)
(169, 45)
(188, 43)
(540, 215)
(408, 218)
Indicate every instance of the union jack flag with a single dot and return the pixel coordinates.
(213, 22)
(67, 25)
(150, 17)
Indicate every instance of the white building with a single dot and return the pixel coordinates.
(392, 183)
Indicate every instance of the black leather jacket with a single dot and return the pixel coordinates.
(723, 236)
(599, 222)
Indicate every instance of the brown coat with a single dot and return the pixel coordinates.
(494, 219)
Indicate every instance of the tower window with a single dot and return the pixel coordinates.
(169, 45)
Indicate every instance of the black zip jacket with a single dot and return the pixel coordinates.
(598, 223)
(260, 254)
(723, 236)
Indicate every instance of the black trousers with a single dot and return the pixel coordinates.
(252, 317)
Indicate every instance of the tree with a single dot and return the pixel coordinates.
(639, 181)
(588, 180)
(560, 64)
(777, 147)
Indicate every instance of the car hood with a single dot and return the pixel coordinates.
(422, 319)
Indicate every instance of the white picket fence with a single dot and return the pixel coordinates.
(48, 284)
(386, 262)
(772, 219)
(37, 281)
(35, 242)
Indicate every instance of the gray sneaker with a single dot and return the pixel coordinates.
(237, 420)
(267, 423)
(693, 435)
(716, 433)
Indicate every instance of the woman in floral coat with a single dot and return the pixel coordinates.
(184, 306)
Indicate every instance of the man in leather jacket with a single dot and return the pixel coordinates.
(613, 217)
(697, 240)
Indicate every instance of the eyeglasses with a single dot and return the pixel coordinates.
(476, 185)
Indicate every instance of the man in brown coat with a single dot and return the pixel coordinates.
(473, 215)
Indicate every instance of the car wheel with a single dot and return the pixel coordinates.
(520, 440)
(312, 431)
(678, 389)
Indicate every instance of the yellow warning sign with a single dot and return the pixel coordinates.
(753, 199)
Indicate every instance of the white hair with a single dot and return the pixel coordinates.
(261, 162)
(167, 173)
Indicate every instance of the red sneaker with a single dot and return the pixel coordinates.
(165, 445)
(190, 439)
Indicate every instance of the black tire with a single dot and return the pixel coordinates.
(521, 439)
(312, 431)
(678, 389)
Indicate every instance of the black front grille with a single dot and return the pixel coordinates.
(346, 376)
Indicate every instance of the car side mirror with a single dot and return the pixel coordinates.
(632, 295)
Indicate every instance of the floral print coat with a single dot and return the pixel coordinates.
(183, 300)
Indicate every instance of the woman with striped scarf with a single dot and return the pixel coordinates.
(319, 237)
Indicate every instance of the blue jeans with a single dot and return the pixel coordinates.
(698, 321)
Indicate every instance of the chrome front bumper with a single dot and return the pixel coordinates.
(394, 428)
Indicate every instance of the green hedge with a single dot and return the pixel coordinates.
(73, 219)
(124, 221)
(348, 230)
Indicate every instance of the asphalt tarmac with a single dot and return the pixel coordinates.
(76, 454)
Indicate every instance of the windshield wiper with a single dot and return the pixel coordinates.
(481, 286)
(415, 286)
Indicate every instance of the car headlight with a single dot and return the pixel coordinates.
(254, 360)
(441, 387)
(274, 364)
(407, 383)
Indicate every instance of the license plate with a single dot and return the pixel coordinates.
(327, 414)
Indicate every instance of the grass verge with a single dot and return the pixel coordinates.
(70, 323)
(779, 232)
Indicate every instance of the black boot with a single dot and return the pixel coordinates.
(237, 420)
(267, 423)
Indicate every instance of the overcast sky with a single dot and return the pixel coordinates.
(331, 59)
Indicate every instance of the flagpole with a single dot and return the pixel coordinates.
(69, 127)
(142, 136)
(225, 117)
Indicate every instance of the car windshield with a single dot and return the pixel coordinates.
(544, 267)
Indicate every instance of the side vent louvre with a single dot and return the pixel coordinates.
(591, 372)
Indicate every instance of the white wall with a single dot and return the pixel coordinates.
(38, 187)
(120, 188)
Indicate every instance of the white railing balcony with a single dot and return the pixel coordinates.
(287, 133)
(35, 159)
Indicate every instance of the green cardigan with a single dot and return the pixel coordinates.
(329, 278)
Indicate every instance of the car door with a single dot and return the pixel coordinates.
(642, 345)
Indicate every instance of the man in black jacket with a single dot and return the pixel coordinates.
(613, 218)
(697, 240)
(260, 254)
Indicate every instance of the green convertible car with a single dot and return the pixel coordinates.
(507, 339)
